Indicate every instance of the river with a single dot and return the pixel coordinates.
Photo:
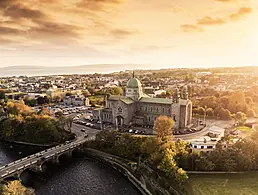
(74, 176)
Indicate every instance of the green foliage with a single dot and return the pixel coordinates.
(42, 100)
(224, 104)
(23, 124)
(30, 102)
(239, 156)
(2, 94)
(160, 154)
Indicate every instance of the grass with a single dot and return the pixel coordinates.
(223, 184)
(244, 129)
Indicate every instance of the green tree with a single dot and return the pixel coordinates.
(30, 101)
(163, 126)
(2, 94)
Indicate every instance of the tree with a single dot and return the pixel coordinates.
(45, 111)
(69, 123)
(250, 113)
(163, 126)
(14, 188)
(57, 98)
(249, 100)
(86, 93)
(240, 118)
(59, 114)
(30, 101)
(42, 100)
(209, 112)
(224, 114)
(2, 94)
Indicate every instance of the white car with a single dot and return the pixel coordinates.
(131, 130)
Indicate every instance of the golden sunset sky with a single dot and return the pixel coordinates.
(164, 33)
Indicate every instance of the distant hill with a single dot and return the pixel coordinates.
(83, 69)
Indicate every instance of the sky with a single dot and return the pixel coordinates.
(162, 33)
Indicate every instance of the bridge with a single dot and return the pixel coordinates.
(34, 162)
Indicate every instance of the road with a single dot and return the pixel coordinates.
(76, 128)
(34, 158)
(210, 123)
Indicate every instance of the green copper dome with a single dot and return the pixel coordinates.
(133, 83)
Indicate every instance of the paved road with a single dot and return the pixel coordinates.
(76, 128)
(210, 123)
(32, 159)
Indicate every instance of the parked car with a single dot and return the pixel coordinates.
(83, 130)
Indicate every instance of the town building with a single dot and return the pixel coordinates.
(208, 142)
(137, 108)
(75, 100)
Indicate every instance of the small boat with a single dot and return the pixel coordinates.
(20, 152)
(11, 146)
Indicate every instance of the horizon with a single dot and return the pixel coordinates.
(162, 34)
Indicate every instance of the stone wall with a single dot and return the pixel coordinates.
(147, 182)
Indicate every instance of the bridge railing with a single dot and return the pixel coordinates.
(43, 153)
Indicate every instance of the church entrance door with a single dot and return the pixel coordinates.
(119, 121)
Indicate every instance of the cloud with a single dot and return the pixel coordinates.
(52, 30)
(4, 41)
(211, 21)
(94, 5)
(8, 31)
(121, 34)
(242, 13)
(191, 28)
(18, 11)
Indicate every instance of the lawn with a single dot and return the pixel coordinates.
(244, 129)
(223, 184)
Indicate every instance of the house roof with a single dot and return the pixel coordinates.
(156, 100)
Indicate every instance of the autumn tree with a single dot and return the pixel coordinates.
(14, 188)
(45, 111)
(163, 126)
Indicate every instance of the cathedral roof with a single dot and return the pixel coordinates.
(156, 100)
(126, 100)
(133, 83)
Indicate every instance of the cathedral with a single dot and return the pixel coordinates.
(137, 108)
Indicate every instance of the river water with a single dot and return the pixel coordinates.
(74, 176)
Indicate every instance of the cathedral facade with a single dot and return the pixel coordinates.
(137, 108)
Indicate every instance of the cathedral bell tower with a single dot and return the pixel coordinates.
(175, 108)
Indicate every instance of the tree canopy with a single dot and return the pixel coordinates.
(163, 126)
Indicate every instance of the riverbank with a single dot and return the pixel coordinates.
(119, 165)
(28, 144)
(146, 180)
